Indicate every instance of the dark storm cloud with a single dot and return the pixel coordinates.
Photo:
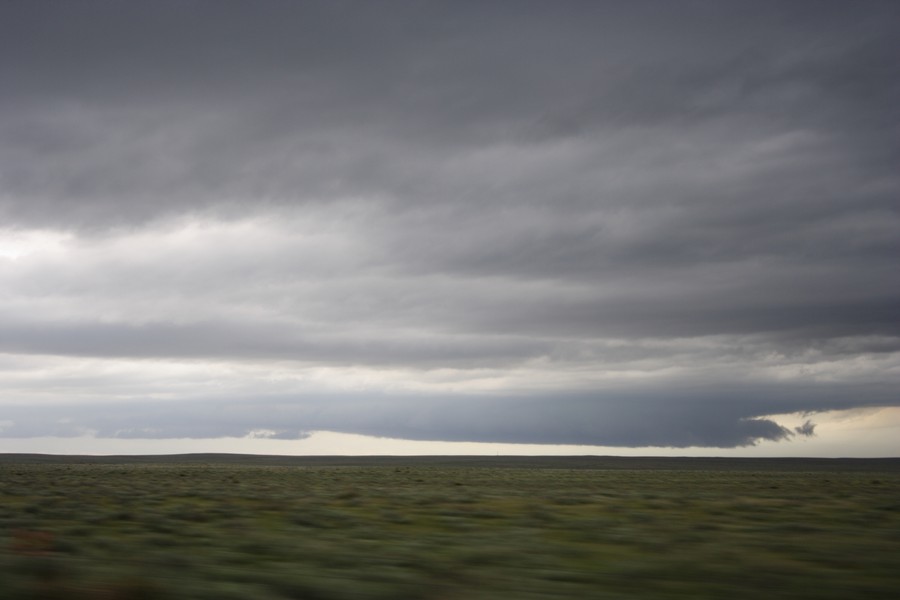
(261, 340)
(723, 416)
(111, 107)
(466, 185)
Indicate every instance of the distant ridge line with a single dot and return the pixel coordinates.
(541, 462)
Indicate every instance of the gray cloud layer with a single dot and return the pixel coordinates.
(548, 191)
(695, 415)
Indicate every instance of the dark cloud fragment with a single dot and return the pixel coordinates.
(808, 429)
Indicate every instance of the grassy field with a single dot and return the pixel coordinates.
(223, 527)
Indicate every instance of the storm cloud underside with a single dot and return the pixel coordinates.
(623, 224)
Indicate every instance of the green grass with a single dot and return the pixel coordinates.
(146, 530)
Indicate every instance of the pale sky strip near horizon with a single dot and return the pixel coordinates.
(450, 227)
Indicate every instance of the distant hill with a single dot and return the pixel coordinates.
(526, 462)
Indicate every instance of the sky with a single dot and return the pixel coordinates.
(437, 227)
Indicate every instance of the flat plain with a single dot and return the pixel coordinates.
(442, 528)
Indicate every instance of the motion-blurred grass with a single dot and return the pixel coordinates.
(146, 531)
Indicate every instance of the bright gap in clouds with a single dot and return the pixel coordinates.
(18, 244)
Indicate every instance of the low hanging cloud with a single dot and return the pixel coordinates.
(649, 224)
(692, 416)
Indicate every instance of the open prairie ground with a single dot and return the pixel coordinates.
(231, 527)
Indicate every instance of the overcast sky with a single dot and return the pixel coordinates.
(632, 225)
